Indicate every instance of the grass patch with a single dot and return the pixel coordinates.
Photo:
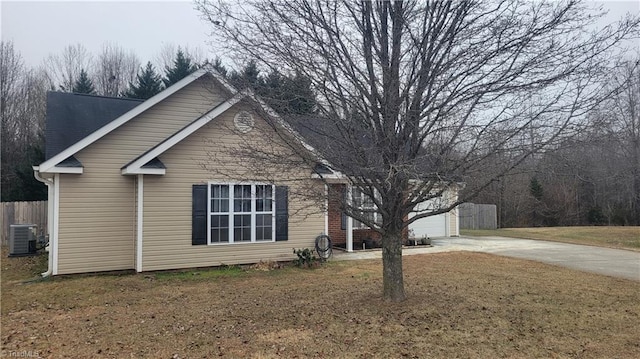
(201, 274)
(610, 237)
(22, 268)
(460, 305)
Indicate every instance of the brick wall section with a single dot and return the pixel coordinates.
(361, 234)
(337, 234)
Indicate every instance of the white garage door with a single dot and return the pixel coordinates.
(433, 226)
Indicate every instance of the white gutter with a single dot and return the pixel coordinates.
(50, 195)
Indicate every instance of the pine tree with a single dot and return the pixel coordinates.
(218, 66)
(286, 94)
(147, 84)
(83, 84)
(249, 76)
(182, 67)
(273, 81)
(273, 91)
(299, 95)
(535, 188)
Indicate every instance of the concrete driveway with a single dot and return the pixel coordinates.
(611, 262)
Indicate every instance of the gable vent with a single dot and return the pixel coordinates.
(243, 121)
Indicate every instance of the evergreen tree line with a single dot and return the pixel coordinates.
(287, 94)
(147, 82)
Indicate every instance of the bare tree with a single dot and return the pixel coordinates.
(620, 117)
(22, 112)
(594, 177)
(11, 67)
(588, 179)
(627, 111)
(417, 96)
(114, 69)
(64, 69)
(167, 55)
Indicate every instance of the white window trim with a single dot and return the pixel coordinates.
(232, 213)
(356, 192)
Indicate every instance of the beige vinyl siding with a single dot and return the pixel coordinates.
(97, 224)
(168, 204)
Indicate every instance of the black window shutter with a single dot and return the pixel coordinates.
(199, 214)
(282, 213)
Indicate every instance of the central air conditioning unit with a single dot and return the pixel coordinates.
(22, 240)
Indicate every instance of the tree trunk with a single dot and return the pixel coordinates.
(392, 277)
(635, 191)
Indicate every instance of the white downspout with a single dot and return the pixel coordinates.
(50, 200)
(139, 229)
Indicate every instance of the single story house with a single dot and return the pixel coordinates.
(130, 186)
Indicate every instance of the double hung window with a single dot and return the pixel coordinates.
(241, 213)
(367, 208)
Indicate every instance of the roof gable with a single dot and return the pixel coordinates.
(117, 108)
(141, 164)
(50, 165)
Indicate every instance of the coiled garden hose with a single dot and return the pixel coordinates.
(323, 246)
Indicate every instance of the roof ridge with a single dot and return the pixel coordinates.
(97, 96)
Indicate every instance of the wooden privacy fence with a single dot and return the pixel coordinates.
(23, 213)
(478, 216)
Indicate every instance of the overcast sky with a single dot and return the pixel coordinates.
(46, 27)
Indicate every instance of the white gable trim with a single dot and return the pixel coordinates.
(49, 166)
(271, 112)
(150, 171)
(135, 167)
(335, 177)
(296, 136)
(71, 170)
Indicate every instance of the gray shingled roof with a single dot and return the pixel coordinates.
(155, 163)
(70, 162)
(71, 117)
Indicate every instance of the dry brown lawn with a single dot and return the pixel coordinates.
(461, 305)
(611, 236)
